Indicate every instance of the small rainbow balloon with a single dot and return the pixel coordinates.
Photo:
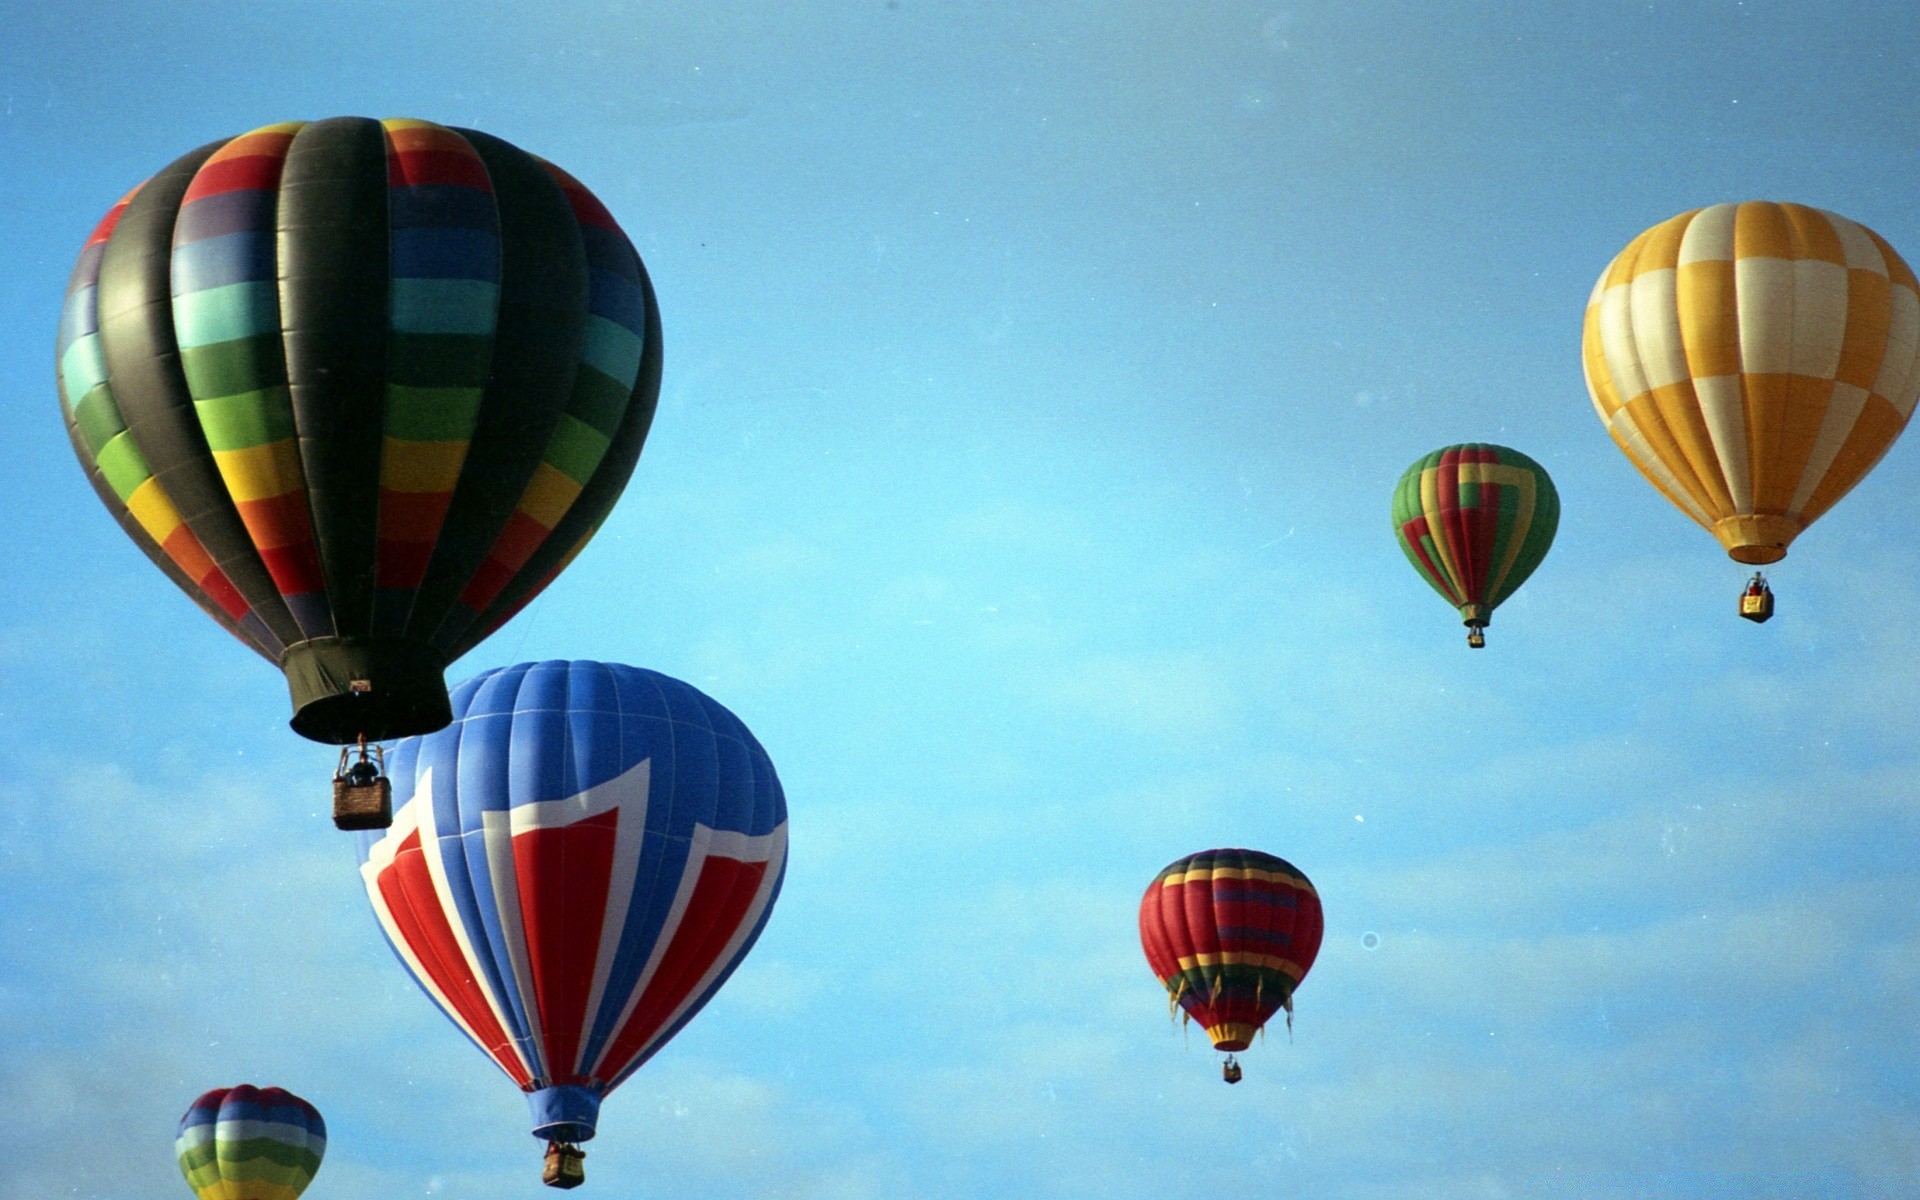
(249, 1143)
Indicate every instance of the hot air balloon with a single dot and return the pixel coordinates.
(575, 866)
(248, 1143)
(1475, 520)
(361, 389)
(1754, 361)
(1230, 934)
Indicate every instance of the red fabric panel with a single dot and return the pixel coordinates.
(407, 889)
(246, 172)
(720, 901)
(413, 168)
(563, 877)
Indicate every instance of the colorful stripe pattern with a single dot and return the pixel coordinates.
(610, 359)
(226, 320)
(87, 399)
(445, 244)
(1475, 520)
(390, 376)
(1754, 361)
(1231, 933)
(576, 865)
(248, 1143)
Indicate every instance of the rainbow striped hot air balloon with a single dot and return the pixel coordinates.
(1230, 934)
(361, 389)
(248, 1143)
(576, 865)
(1475, 520)
(1754, 361)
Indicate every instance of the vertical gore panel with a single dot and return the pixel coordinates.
(543, 313)
(595, 501)
(333, 305)
(143, 362)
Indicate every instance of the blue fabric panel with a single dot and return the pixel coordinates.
(450, 252)
(216, 262)
(440, 204)
(226, 212)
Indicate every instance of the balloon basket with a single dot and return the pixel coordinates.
(1477, 637)
(1230, 1070)
(566, 1166)
(1756, 603)
(362, 794)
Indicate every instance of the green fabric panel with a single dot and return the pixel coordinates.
(439, 360)
(124, 466)
(576, 448)
(1406, 506)
(262, 1158)
(232, 368)
(247, 420)
(598, 399)
(431, 414)
(98, 418)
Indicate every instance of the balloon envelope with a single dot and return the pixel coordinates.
(1475, 520)
(1754, 361)
(248, 1143)
(361, 389)
(1230, 934)
(575, 866)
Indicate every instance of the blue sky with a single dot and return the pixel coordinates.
(1036, 379)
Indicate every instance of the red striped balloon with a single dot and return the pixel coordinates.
(1231, 933)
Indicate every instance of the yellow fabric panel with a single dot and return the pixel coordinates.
(1760, 231)
(1869, 309)
(1879, 423)
(1773, 481)
(550, 493)
(1649, 421)
(1631, 444)
(1709, 320)
(410, 466)
(1801, 420)
(1203, 874)
(1836, 426)
(154, 510)
(1659, 248)
(1813, 234)
(268, 139)
(261, 472)
(1619, 272)
(1231, 958)
(1686, 426)
(410, 134)
(1442, 545)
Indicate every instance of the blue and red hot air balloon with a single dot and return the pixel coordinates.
(576, 864)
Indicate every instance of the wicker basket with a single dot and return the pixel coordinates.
(362, 805)
(566, 1166)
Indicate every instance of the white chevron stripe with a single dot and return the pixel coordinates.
(630, 837)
